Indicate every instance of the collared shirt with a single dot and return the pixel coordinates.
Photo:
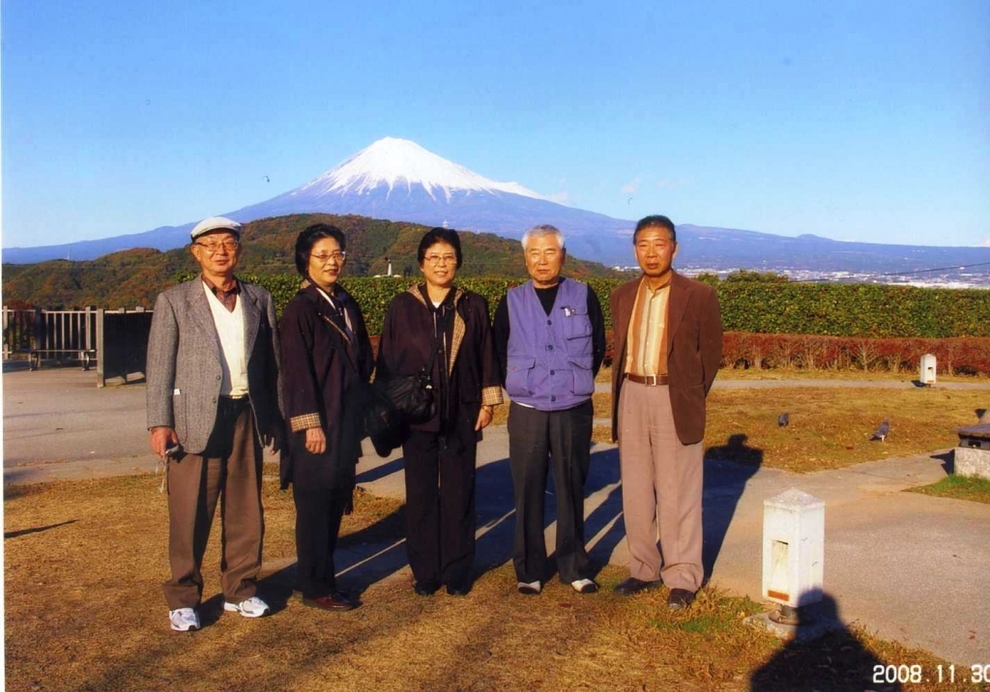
(228, 298)
(229, 323)
(646, 340)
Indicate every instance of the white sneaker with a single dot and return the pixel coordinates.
(184, 619)
(253, 607)
(584, 586)
(529, 589)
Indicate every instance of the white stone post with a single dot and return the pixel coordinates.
(928, 369)
(793, 548)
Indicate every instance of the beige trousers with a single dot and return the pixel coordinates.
(662, 483)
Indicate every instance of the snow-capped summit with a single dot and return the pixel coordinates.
(400, 163)
(399, 180)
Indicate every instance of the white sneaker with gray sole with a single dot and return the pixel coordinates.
(252, 607)
(184, 619)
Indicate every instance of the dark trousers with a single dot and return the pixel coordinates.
(440, 518)
(318, 514)
(561, 440)
(228, 470)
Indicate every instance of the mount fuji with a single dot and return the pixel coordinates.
(399, 180)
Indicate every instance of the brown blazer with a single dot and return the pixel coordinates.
(694, 350)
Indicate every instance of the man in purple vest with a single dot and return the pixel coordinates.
(550, 340)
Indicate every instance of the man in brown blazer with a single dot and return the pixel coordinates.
(668, 345)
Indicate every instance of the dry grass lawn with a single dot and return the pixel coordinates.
(829, 427)
(84, 611)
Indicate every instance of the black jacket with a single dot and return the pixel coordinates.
(320, 373)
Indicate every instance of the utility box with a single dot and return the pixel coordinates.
(793, 548)
(927, 374)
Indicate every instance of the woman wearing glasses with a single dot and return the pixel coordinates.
(325, 352)
(437, 316)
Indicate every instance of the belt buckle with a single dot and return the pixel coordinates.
(650, 380)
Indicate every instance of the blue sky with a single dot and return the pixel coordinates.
(865, 121)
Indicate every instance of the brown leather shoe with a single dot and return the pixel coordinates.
(633, 585)
(336, 601)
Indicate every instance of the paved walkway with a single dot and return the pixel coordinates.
(906, 566)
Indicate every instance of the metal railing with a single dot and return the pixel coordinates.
(117, 340)
(50, 335)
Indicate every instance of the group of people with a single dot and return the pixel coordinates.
(225, 380)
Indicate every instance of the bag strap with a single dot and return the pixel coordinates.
(437, 343)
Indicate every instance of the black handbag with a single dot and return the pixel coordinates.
(413, 396)
(380, 417)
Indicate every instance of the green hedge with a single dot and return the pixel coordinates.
(749, 304)
(868, 310)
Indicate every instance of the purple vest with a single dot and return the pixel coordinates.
(549, 356)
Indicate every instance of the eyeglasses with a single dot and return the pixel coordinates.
(436, 259)
(213, 248)
(336, 256)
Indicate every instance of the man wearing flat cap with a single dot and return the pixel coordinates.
(212, 390)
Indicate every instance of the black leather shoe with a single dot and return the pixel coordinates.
(633, 585)
(425, 588)
(679, 599)
(458, 589)
(336, 601)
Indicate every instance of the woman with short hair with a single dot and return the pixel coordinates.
(326, 359)
(440, 453)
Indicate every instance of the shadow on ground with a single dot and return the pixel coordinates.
(728, 468)
(36, 529)
(835, 660)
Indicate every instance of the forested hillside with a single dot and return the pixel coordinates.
(133, 278)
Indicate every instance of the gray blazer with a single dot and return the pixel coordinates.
(184, 369)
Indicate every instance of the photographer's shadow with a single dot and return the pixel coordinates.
(824, 655)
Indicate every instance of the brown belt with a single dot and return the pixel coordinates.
(648, 380)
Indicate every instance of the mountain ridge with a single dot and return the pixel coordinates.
(133, 277)
(397, 180)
